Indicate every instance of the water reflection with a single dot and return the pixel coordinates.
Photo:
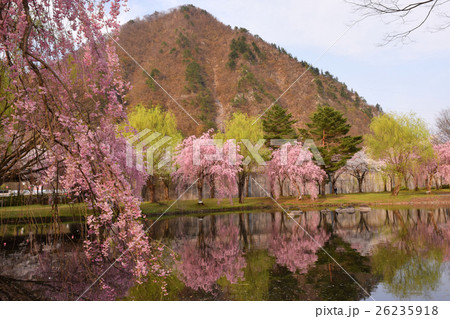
(411, 261)
(296, 248)
(390, 254)
(211, 256)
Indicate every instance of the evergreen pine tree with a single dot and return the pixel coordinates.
(329, 130)
(278, 124)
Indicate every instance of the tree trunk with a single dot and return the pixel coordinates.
(243, 231)
(246, 186)
(298, 190)
(166, 191)
(416, 182)
(241, 186)
(406, 177)
(429, 183)
(151, 189)
(213, 226)
(360, 182)
(391, 182)
(212, 188)
(322, 188)
(396, 188)
(200, 191)
(333, 182)
(281, 182)
(212, 191)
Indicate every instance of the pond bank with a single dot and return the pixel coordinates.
(14, 215)
(404, 199)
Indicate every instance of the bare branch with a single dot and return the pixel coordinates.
(419, 11)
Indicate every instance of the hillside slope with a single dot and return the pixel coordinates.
(213, 70)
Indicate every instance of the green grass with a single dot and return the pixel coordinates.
(39, 211)
(209, 204)
(385, 198)
(405, 198)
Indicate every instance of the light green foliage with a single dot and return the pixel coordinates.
(241, 127)
(151, 290)
(396, 140)
(156, 120)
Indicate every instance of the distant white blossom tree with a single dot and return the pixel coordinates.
(359, 165)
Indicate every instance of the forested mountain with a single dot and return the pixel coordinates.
(213, 70)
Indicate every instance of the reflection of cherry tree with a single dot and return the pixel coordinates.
(297, 250)
(204, 262)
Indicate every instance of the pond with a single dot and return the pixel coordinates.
(381, 254)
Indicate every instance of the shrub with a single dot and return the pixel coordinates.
(194, 77)
(183, 41)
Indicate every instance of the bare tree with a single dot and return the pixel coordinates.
(412, 14)
(443, 126)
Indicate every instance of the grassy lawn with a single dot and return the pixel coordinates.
(191, 205)
(405, 198)
(385, 199)
(39, 211)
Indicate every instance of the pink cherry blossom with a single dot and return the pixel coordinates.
(68, 93)
(206, 160)
(294, 163)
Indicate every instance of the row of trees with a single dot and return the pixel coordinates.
(405, 147)
(224, 160)
(398, 147)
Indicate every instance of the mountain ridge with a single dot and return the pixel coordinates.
(213, 70)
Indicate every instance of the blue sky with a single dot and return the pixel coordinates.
(400, 77)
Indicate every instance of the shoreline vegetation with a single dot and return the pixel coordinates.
(72, 212)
